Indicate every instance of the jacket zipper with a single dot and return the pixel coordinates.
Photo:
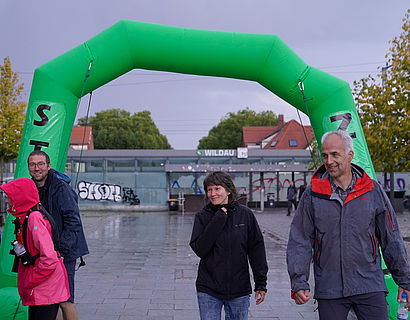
(228, 265)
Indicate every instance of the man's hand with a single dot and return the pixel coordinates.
(301, 296)
(401, 290)
(259, 296)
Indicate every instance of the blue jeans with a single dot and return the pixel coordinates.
(210, 307)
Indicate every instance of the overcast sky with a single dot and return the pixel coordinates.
(348, 39)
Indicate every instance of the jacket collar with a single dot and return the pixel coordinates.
(229, 206)
(321, 186)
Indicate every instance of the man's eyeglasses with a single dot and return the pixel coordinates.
(40, 165)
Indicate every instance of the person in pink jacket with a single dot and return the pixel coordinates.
(44, 284)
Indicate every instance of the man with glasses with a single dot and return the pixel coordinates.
(60, 200)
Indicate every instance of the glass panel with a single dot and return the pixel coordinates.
(284, 182)
(185, 182)
(120, 178)
(86, 176)
(299, 180)
(215, 160)
(10, 167)
(270, 182)
(256, 186)
(152, 165)
(182, 160)
(241, 182)
(152, 195)
(246, 161)
(78, 166)
(201, 178)
(151, 187)
(121, 165)
(68, 167)
(94, 166)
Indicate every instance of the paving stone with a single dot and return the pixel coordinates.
(141, 267)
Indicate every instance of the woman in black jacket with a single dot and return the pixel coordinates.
(225, 236)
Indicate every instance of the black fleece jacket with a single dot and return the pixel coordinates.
(225, 243)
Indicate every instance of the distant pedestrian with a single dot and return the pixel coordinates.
(41, 279)
(291, 196)
(226, 236)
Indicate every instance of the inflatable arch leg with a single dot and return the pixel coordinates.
(266, 59)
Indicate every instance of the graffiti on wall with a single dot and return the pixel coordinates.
(399, 181)
(99, 191)
(267, 183)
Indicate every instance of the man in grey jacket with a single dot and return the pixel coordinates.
(342, 219)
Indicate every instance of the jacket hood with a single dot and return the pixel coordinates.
(23, 195)
(61, 176)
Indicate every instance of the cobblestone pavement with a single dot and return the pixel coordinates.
(141, 267)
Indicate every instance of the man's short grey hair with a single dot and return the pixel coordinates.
(346, 138)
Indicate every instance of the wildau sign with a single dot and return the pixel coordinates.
(216, 153)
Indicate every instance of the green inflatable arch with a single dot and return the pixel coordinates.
(59, 84)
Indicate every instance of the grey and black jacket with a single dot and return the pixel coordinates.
(344, 240)
(225, 242)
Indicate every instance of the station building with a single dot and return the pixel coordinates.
(158, 175)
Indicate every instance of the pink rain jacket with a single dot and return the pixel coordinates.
(46, 281)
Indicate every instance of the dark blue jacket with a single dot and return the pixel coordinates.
(63, 207)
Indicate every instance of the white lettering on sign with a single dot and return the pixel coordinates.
(219, 153)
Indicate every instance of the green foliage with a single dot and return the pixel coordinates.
(118, 129)
(228, 133)
(383, 106)
(315, 155)
(12, 113)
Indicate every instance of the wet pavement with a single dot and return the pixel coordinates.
(141, 267)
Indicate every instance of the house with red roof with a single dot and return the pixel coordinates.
(286, 135)
(81, 137)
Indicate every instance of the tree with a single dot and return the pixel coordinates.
(12, 114)
(118, 129)
(315, 155)
(383, 107)
(227, 134)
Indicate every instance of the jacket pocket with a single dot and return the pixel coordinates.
(375, 246)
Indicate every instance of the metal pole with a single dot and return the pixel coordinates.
(262, 193)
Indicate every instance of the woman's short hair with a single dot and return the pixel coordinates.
(220, 178)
